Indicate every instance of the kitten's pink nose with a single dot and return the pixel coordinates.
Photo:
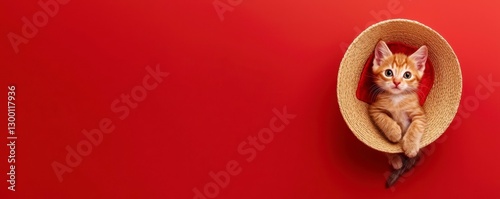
(396, 83)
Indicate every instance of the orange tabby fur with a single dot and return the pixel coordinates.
(396, 110)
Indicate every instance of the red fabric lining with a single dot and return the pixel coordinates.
(366, 85)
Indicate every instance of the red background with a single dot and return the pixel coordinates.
(225, 79)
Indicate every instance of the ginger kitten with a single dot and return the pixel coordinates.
(396, 110)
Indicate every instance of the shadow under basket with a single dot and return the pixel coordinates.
(441, 85)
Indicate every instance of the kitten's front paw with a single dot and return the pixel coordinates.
(410, 148)
(394, 134)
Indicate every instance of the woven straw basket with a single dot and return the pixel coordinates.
(442, 101)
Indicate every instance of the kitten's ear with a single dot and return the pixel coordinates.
(382, 51)
(420, 57)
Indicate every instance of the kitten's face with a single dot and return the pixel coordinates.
(398, 73)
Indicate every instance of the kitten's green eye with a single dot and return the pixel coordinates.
(388, 73)
(407, 75)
